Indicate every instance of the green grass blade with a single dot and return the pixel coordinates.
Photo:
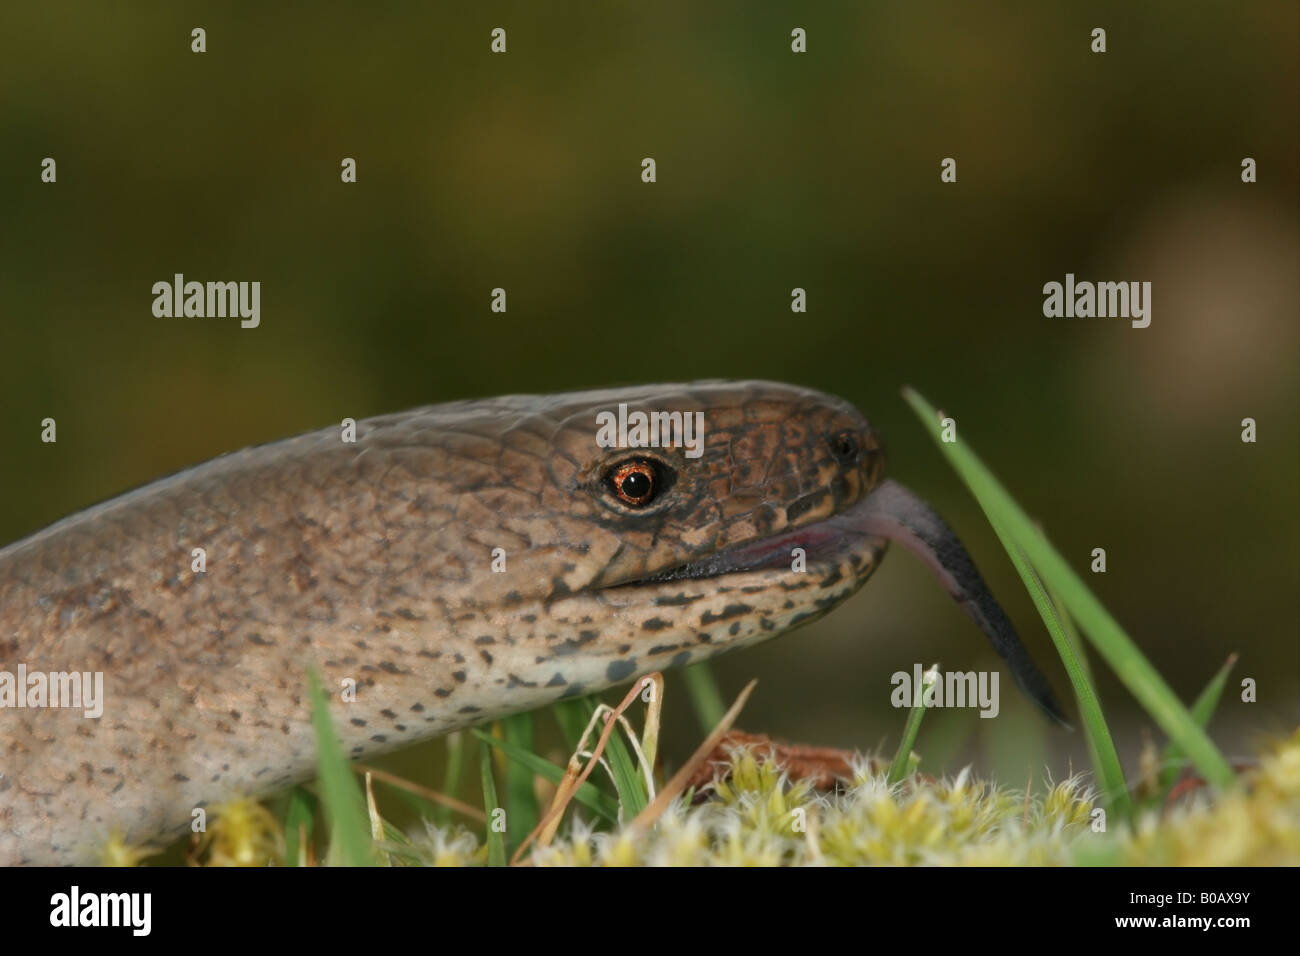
(451, 776)
(496, 842)
(588, 795)
(1105, 760)
(299, 818)
(1072, 635)
(628, 779)
(1074, 640)
(1119, 651)
(344, 803)
(521, 800)
(901, 765)
(572, 716)
(1203, 709)
(705, 696)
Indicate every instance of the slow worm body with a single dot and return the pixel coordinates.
(456, 562)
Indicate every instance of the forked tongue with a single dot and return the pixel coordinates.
(893, 512)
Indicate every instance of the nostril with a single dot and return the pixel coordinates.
(845, 447)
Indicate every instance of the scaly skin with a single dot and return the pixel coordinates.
(372, 561)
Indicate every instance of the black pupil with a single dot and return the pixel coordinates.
(636, 485)
(848, 446)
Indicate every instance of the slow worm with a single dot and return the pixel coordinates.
(456, 562)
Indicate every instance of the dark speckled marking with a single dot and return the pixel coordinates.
(731, 610)
(663, 648)
(796, 509)
(655, 624)
(574, 690)
(557, 681)
(679, 659)
(677, 600)
(618, 670)
(573, 644)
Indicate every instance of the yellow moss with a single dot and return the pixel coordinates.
(753, 818)
(241, 833)
(1256, 824)
(758, 816)
(117, 852)
(448, 846)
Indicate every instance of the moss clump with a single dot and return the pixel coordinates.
(757, 816)
(1254, 824)
(754, 814)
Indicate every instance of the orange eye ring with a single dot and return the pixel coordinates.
(634, 483)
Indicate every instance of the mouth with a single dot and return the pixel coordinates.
(858, 537)
(824, 542)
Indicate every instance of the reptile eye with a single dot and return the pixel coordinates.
(844, 447)
(635, 482)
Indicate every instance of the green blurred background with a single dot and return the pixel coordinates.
(775, 170)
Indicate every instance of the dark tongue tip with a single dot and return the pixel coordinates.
(895, 513)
